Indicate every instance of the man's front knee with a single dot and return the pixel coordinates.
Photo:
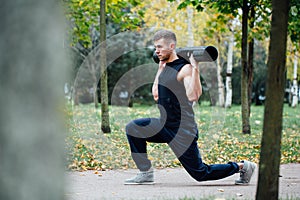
(129, 127)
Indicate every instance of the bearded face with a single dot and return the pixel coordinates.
(163, 49)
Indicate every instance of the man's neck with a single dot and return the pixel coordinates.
(172, 57)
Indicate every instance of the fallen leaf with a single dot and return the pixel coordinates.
(239, 194)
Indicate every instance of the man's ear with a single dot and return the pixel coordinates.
(172, 45)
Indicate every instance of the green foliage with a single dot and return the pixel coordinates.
(89, 149)
(83, 17)
(124, 14)
(294, 22)
(218, 24)
(226, 9)
(262, 15)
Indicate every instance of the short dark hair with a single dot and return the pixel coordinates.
(165, 34)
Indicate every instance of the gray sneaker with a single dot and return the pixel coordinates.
(142, 178)
(246, 173)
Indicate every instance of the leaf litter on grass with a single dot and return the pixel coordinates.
(220, 139)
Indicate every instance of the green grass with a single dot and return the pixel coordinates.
(220, 137)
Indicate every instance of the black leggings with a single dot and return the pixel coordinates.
(183, 142)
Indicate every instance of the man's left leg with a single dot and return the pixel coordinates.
(186, 149)
(139, 132)
(192, 162)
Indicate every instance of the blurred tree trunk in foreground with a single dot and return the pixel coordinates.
(32, 69)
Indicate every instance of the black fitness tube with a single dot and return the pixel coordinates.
(201, 53)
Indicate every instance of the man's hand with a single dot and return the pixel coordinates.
(193, 62)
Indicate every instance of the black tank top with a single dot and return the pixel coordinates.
(175, 108)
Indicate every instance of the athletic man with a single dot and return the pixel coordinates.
(176, 86)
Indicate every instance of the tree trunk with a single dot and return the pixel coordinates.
(228, 101)
(76, 96)
(220, 80)
(295, 82)
(95, 90)
(244, 79)
(92, 65)
(250, 60)
(105, 127)
(268, 182)
(32, 75)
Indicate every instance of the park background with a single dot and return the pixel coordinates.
(111, 42)
(219, 110)
(49, 47)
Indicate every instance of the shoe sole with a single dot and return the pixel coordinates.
(143, 183)
(237, 183)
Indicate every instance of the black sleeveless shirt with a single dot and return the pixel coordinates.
(175, 108)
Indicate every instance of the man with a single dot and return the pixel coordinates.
(176, 86)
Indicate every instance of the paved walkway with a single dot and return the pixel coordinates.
(172, 184)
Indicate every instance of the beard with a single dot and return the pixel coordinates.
(164, 58)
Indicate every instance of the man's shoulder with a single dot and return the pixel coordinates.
(185, 71)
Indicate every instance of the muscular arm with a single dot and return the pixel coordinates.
(192, 84)
(190, 77)
(155, 89)
(155, 84)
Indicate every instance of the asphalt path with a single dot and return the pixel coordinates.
(172, 183)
